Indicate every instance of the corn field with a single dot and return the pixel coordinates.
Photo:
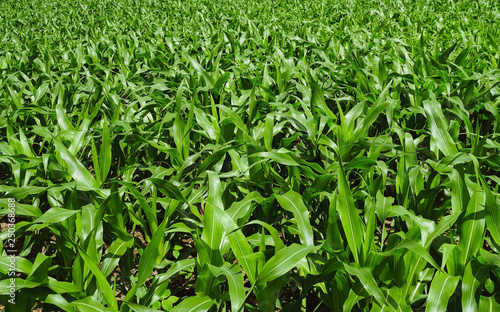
(281, 155)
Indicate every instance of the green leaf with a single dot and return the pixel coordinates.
(167, 188)
(81, 175)
(148, 261)
(113, 254)
(238, 242)
(492, 211)
(474, 277)
(292, 201)
(202, 72)
(318, 98)
(283, 261)
(194, 304)
(488, 304)
(104, 286)
(213, 232)
(105, 152)
(240, 209)
(22, 265)
(140, 308)
(278, 243)
(442, 288)
(148, 210)
(472, 229)
(214, 158)
(89, 304)
(59, 301)
(56, 215)
(360, 163)
(437, 123)
(20, 284)
(351, 222)
(234, 278)
(368, 281)
(280, 158)
(490, 258)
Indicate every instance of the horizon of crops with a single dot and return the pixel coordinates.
(251, 155)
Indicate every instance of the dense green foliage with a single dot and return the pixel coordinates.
(251, 155)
